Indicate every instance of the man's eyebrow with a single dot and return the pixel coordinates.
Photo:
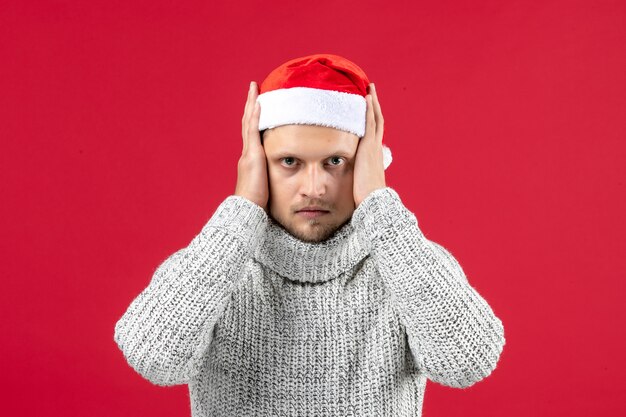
(339, 152)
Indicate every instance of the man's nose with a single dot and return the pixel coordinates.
(314, 182)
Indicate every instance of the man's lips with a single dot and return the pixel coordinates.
(312, 208)
(312, 213)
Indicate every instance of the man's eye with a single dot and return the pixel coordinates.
(287, 160)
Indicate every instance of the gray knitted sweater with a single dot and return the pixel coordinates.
(260, 323)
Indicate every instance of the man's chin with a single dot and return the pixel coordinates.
(308, 238)
(312, 233)
(306, 232)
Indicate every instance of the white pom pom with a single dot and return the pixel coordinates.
(386, 156)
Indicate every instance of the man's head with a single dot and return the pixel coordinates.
(310, 165)
(313, 112)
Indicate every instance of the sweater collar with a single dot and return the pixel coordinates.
(298, 260)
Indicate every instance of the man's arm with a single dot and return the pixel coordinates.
(453, 334)
(168, 327)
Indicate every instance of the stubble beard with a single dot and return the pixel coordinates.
(310, 231)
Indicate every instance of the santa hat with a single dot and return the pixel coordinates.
(320, 89)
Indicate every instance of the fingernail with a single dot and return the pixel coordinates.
(251, 84)
(373, 87)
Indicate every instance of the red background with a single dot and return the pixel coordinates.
(121, 129)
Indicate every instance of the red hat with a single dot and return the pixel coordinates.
(320, 89)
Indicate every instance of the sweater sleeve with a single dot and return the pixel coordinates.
(453, 334)
(167, 329)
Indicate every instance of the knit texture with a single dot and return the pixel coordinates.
(260, 323)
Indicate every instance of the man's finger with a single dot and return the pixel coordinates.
(370, 126)
(380, 122)
(249, 102)
(253, 126)
(246, 111)
(378, 110)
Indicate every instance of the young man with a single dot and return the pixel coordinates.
(311, 291)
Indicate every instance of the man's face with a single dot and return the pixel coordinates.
(310, 166)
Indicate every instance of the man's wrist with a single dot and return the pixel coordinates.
(241, 217)
(381, 210)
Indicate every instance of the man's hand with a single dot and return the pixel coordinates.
(252, 167)
(369, 171)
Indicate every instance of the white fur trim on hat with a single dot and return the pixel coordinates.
(305, 105)
(387, 158)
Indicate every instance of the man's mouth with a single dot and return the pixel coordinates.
(312, 213)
